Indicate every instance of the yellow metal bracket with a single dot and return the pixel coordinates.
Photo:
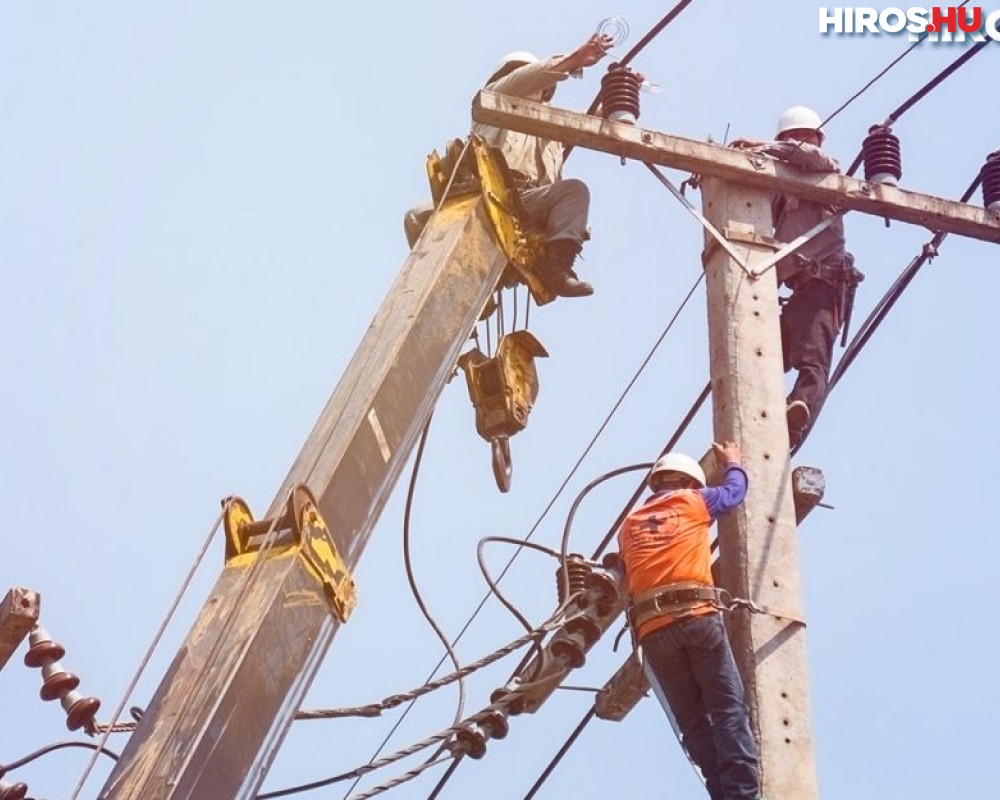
(300, 528)
(523, 246)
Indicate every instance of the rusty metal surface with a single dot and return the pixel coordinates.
(808, 487)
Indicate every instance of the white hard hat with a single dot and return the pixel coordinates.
(510, 62)
(678, 462)
(517, 57)
(799, 118)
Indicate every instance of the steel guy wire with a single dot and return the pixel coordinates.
(144, 662)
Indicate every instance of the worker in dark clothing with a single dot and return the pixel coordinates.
(674, 614)
(558, 207)
(820, 274)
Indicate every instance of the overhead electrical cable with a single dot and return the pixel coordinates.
(408, 563)
(923, 91)
(99, 750)
(881, 74)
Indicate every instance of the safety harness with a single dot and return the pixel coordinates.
(683, 598)
(676, 599)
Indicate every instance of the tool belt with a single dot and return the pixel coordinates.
(675, 599)
(796, 270)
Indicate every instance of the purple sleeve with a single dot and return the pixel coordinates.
(728, 494)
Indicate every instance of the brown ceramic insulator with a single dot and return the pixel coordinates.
(13, 791)
(80, 711)
(42, 652)
(57, 682)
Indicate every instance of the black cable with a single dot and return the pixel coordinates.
(881, 74)
(562, 751)
(450, 652)
(51, 748)
(881, 310)
(567, 528)
(922, 92)
(446, 777)
(536, 645)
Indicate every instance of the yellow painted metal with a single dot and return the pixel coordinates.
(503, 388)
(236, 519)
(321, 556)
(522, 245)
(304, 533)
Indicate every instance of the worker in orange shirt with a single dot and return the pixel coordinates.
(675, 617)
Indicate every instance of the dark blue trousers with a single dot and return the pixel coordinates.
(692, 665)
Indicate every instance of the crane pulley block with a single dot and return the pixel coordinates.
(503, 390)
(298, 530)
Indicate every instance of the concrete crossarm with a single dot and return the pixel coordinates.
(700, 158)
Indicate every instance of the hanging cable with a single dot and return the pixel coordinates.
(99, 750)
(446, 777)
(396, 700)
(433, 761)
(407, 513)
(562, 751)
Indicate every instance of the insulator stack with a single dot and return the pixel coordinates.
(58, 684)
(990, 174)
(578, 571)
(620, 94)
(571, 642)
(13, 791)
(471, 738)
(882, 157)
(605, 587)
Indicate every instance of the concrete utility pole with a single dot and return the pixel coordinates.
(758, 554)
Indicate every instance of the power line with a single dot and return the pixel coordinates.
(99, 750)
(922, 92)
(881, 74)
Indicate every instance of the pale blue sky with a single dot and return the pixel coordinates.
(200, 212)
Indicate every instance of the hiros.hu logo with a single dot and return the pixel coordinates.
(937, 23)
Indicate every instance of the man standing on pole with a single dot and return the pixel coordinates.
(675, 618)
(820, 273)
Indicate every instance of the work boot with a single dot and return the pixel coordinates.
(798, 416)
(556, 269)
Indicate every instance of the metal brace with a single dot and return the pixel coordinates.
(794, 245)
(708, 226)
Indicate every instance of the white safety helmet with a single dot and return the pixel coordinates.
(799, 118)
(678, 462)
(510, 62)
(517, 57)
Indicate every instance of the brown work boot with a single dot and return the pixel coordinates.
(798, 416)
(556, 270)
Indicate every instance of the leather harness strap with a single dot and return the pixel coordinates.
(675, 599)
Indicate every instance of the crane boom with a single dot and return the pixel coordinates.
(218, 717)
